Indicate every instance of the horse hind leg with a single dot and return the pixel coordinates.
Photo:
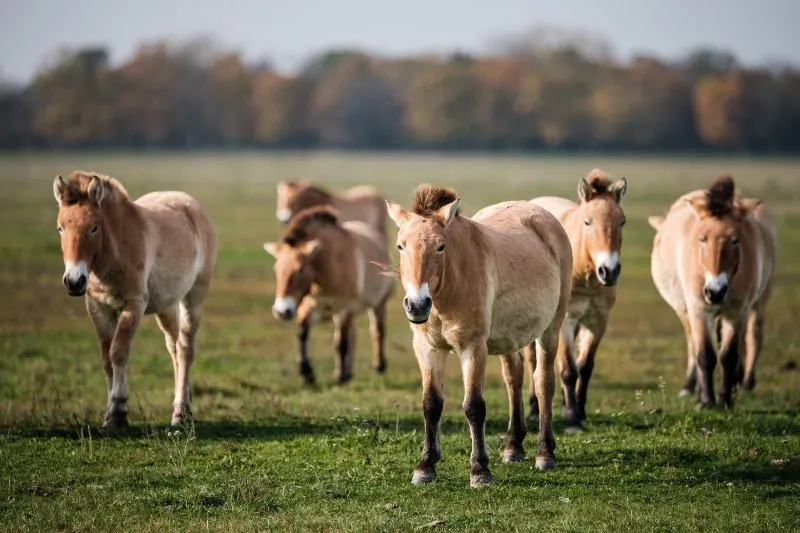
(754, 340)
(169, 323)
(344, 340)
(190, 316)
(589, 339)
(529, 357)
(569, 376)
(690, 379)
(729, 357)
(377, 320)
(546, 348)
(513, 371)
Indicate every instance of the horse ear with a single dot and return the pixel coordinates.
(619, 189)
(312, 248)
(58, 188)
(272, 248)
(447, 213)
(749, 205)
(584, 190)
(655, 221)
(694, 207)
(396, 212)
(96, 191)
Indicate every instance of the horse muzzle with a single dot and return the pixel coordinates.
(75, 286)
(715, 296)
(417, 309)
(284, 308)
(608, 276)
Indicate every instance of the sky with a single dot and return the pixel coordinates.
(288, 32)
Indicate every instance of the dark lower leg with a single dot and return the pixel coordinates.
(584, 375)
(344, 341)
(529, 356)
(545, 388)
(706, 362)
(569, 380)
(729, 357)
(513, 370)
(432, 406)
(475, 410)
(378, 331)
(306, 371)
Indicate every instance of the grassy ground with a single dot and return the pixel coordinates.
(267, 453)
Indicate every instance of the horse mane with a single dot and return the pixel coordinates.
(318, 193)
(720, 197)
(77, 187)
(599, 182)
(299, 228)
(428, 199)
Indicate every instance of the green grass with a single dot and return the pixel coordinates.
(268, 453)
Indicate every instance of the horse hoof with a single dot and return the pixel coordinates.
(749, 383)
(685, 393)
(701, 406)
(343, 379)
(724, 402)
(116, 421)
(423, 477)
(545, 463)
(480, 479)
(380, 369)
(573, 428)
(513, 455)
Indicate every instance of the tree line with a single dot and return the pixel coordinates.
(524, 96)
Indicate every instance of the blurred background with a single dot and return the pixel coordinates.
(522, 75)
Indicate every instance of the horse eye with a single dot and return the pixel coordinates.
(587, 222)
(703, 239)
(93, 231)
(440, 249)
(59, 228)
(400, 247)
(735, 242)
(622, 223)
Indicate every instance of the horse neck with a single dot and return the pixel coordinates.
(582, 262)
(122, 234)
(336, 271)
(463, 235)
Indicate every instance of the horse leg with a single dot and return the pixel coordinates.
(431, 366)
(191, 313)
(589, 339)
(473, 370)
(304, 321)
(377, 322)
(344, 342)
(754, 340)
(529, 355)
(705, 356)
(513, 371)
(569, 375)
(546, 348)
(729, 357)
(105, 324)
(119, 351)
(690, 380)
(169, 323)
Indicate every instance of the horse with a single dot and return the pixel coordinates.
(357, 203)
(326, 268)
(155, 255)
(713, 260)
(594, 226)
(490, 284)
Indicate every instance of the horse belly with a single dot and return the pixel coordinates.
(167, 285)
(516, 325)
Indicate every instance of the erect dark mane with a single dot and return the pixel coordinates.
(599, 182)
(300, 225)
(77, 187)
(428, 199)
(719, 198)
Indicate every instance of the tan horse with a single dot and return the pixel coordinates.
(357, 203)
(490, 284)
(713, 259)
(594, 227)
(154, 255)
(326, 269)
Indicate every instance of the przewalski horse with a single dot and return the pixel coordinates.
(713, 259)
(154, 255)
(326, 268)
(357, 203)
(594, 226)
(490, 284)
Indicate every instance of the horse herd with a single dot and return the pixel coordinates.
(533, 281)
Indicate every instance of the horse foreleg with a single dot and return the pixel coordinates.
(589, 339)
(705, 356)
(431, 366)
(529, 357)
(473, 370)
(377, 319)
(304, 322)
(105, 324)
(569, 375)
(119, 351)
(729, 357)
(690, 379)
(546, 348)
(344, 342)
(513, 371)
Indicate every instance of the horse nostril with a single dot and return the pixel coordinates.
(405, 303)
(428, 302)
(602, 272)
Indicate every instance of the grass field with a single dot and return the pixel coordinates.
(267, 453)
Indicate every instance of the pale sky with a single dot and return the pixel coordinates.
(288, 32)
